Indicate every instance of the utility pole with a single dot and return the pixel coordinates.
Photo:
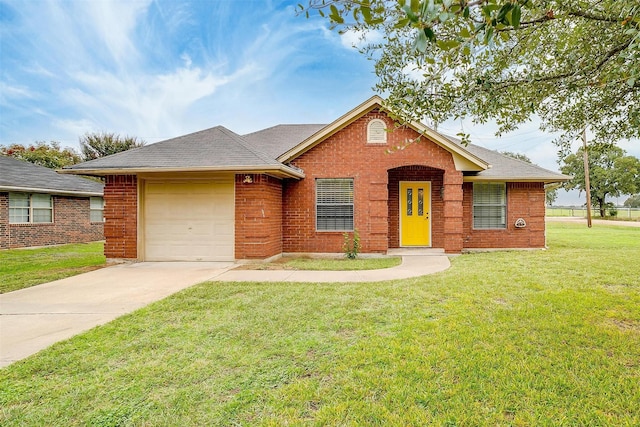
(587, 184)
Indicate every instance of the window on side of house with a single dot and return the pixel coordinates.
(97, 209)
(334, 204)
(30, 208)
(489, 205)
(376, 132)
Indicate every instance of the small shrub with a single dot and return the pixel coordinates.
(351, 248)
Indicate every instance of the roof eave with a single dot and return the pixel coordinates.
(545, 179)
(49, 191)
(466, 160)
(281, 171)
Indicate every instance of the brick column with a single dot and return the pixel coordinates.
(453, 229)
(121, 217)
(375, 226)
(258, 212)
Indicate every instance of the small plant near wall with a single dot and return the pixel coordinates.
(351, 247)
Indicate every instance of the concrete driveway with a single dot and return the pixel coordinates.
(34, 318)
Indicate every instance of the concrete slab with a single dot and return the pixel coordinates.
(34, 318)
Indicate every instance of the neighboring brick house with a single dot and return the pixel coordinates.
(39, 207)
(215, 195)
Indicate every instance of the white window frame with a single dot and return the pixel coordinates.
(375, 134)
(33, 209)
(489, 205)
(335, 195)
(96, 209)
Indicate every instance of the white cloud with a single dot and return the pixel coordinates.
(8, 91)
(158, 70)
(75, 127)
(113, 23)
(359, 38)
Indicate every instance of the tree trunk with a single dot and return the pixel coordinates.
(601, 206)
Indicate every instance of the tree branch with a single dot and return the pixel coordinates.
(612, 53)
(587, 15)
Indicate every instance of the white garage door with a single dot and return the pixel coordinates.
(189, 221)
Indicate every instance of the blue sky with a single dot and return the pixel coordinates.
(164, 68)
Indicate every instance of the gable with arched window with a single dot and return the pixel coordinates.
(376, 132)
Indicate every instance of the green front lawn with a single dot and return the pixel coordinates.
(326, 264)
(22, 268)
(528, 338)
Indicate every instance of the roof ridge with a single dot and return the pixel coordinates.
(249, 146)
(284, 125)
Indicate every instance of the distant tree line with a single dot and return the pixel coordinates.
(53, 155)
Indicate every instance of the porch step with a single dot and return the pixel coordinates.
(415, 251)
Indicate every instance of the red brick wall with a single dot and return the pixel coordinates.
(346, 154)
(524, 200)
(71, 224)
(258, 225)
(121, 216)
(4, 220)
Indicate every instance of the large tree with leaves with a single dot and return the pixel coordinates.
(50, 155)
(572, 63)
(633, 201)
(611, 173)
(100, 144)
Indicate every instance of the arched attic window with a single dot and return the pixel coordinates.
(376, 132)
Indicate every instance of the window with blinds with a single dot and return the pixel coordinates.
(334, 204)
(489, 205)
(30, 208)
(376, 132)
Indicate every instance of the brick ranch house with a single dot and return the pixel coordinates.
(217, 196)
(39, 207)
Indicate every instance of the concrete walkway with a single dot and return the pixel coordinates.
(34, 318)
(412, 266)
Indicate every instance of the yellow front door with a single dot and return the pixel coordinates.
(415, 213)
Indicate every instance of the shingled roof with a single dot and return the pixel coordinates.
(17, 175)
(279, 139)
(505, 168)
(219, 149)
(214, 149)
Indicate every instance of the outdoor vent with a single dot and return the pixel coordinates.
(376, 132)
(520, 223)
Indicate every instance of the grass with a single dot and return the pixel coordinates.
(537, 338)
(22, 268)
(327, 264)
